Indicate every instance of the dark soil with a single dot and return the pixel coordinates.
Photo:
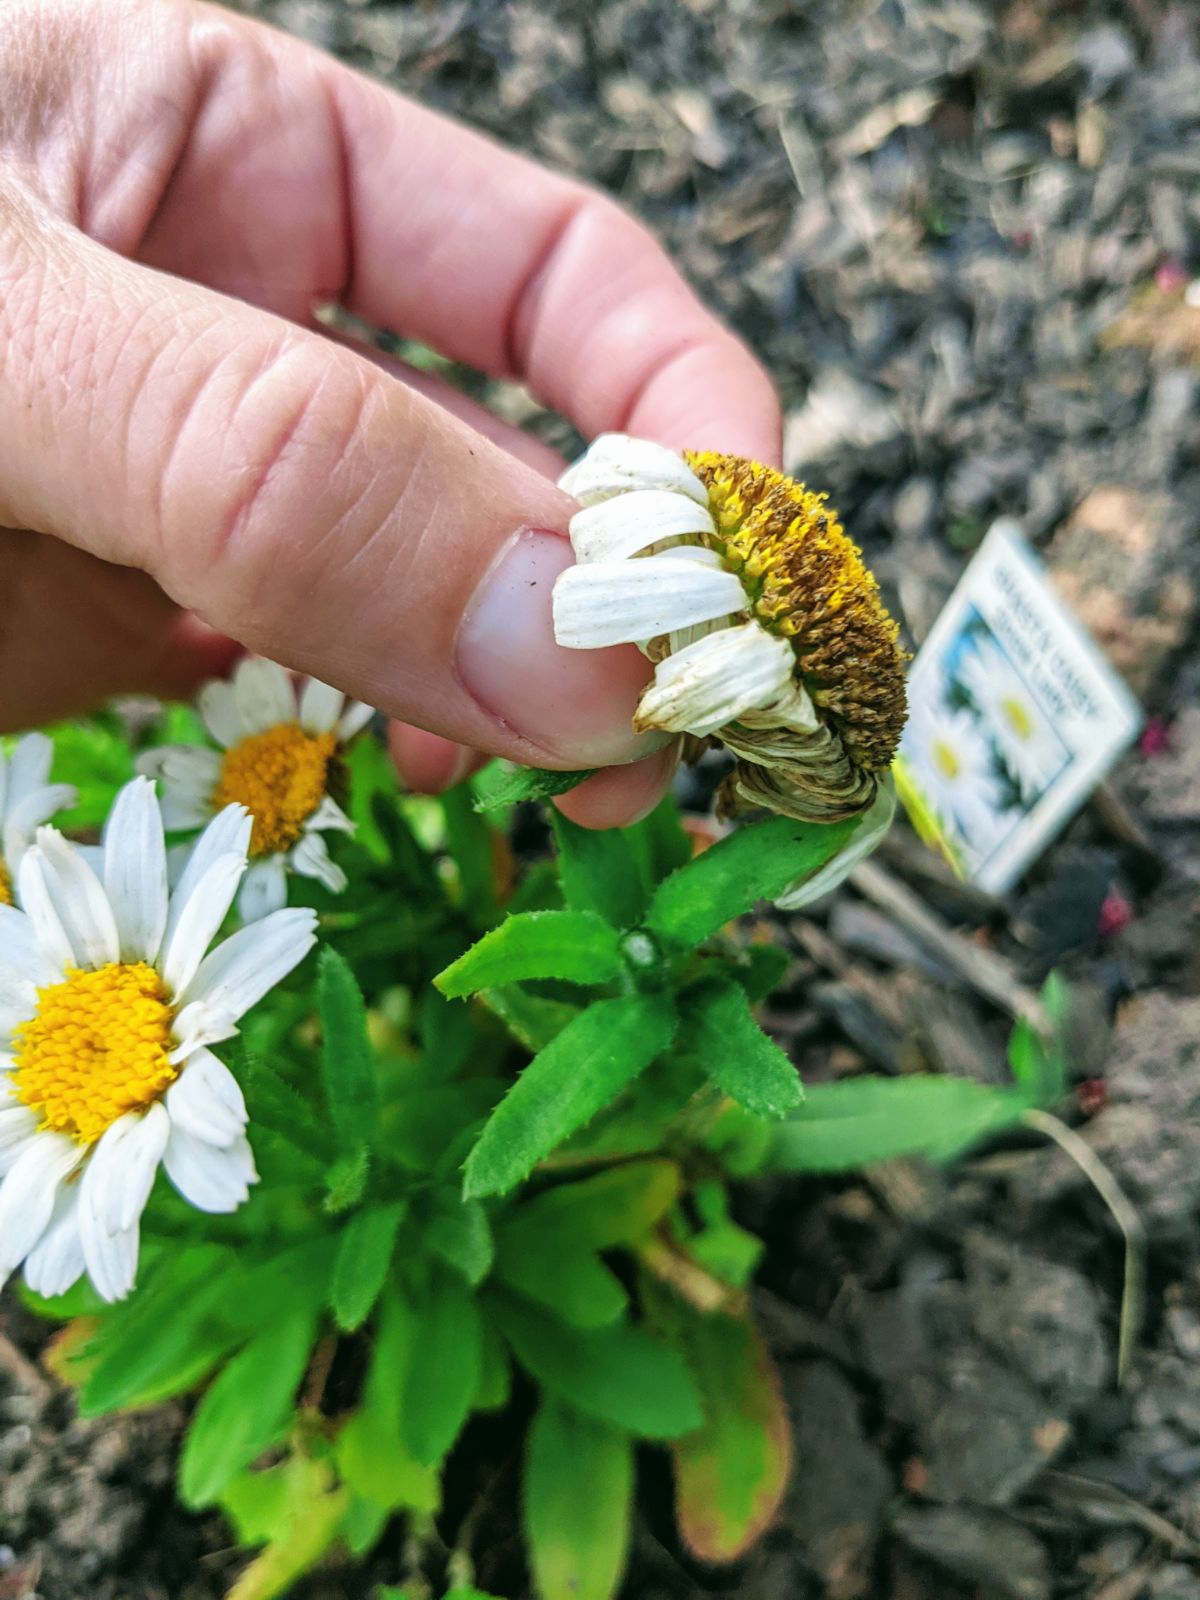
(959, 235)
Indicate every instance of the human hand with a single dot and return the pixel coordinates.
(180, 189)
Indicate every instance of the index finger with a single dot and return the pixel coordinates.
(520, 272)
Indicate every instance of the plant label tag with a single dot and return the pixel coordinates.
(1015, 716)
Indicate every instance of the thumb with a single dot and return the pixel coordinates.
(297, 498)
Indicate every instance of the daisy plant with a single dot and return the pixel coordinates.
(497, 1124)
(280, 756)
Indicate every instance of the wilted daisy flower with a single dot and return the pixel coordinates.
(766, 629)
(280, 758)
(109, 999)
(27, 799)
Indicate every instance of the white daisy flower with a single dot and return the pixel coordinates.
(1028, 745)
(765, 627)
(280, 752)
(954, 766)
(109, 1000)
(27, 799)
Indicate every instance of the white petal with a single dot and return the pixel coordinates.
(310, 858)
(264, 889)
(18, 1125)
(355, 717)
(111, 1258)
(26, 816)
(209, 1178)
(78, 898)
(191, 769)
(707, 684)
(320, 706)
(200, 916)
(28, 768)
(328, 816)
(121, 1171)
(264, 694)
(237, 974)
(3, 782)
(614, 463)
(135, 870)
(874, 823)
(21, 959)
(229, 830)
(620, 602)
(206, 1101)
(217, 705)
(56, 1261)
(28, 1191)
(41, 897)
(621, 527)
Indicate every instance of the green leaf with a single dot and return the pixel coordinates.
(155, 1342)
(733, 1050)
(600, 872)
(660, 841)
(760, 969)
(370, 1451)
(471, 842)
(360, 1267)
(312, 1519)
(850, 1124)
(730, 1476)
(1039, 1065)
(757, 862)
(567, 1278)
(585, 1067)
(578, 1493)
(346, 1182)
(618, 1206)
(495, 1378)
(443, 1370)
(347, 1059)
(574, 945)
(244, 1409)
(275, 1105)
(495, 788)
(461, 1235)
(98, 761)
(619, 1374)
(532, 1020)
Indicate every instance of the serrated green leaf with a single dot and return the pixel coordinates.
(346, 1182)
(274, 1104)
(733, 1050)
(849, 1124)
(443, 1368)
(576, 946)
(618, 1374)
(585, 1067)
(347, 1059)
(360, 1267)
(243, 1409)
(578, 1492)
(460, 1234)
(660, 841)
(757, 862)
(600, 872)
(495, 787)
(760, 970)
(731, 1474)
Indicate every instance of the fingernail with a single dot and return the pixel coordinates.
(575, 706)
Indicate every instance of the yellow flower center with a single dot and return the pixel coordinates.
(6, 894)
(804, 579)
(280, 777)
(945, 759)
(95, 1048)
(1019, 719)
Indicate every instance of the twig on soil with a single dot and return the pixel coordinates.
(1103, 1502)
(1123, 1214)
(984, 970)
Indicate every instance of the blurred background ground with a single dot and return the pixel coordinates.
(959, 234)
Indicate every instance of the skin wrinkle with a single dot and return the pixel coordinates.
(521, 320)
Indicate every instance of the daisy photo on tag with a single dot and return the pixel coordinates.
(111, 993)
(280, 757)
